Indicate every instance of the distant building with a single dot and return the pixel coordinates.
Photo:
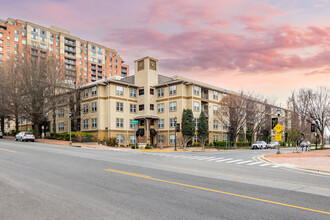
(109, 106)
(84, 61)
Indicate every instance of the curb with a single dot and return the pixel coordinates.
(295, 166)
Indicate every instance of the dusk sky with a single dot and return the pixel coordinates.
(269, 47)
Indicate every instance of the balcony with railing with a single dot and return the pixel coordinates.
(205, 93)
(70, 42)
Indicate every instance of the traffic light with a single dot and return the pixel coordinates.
(286, 136)
(274, 122)
(313, 129)
(177, 127)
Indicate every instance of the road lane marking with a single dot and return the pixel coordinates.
(8, 150)
(263, 165)
(232, 161)
(245, 177)
(247, 161)
(254, 163)
(217, 191)
(223, 160)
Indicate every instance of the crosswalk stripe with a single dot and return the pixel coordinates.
(223, 160)
(215, 159)
(263, 165)
(254, 163)
(246, 161)
(205, 158)
(232, 161)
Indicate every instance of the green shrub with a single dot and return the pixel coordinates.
(147, 147)
(111, 141)
(196, 144)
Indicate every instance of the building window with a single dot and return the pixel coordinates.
(85, 108)
(224, 126)
(119, 123)
(215, 124)
(119, 106)
(94, 123)
(215, 109)
(119, 90)
(151, 107)
(141, 107)
(132, 93)
(85, 93)
(196, 122)
(172, 139)
(161, 123)
(215, 138)
(61, 126)
(196, 138)
(152, 91)
(94, 106)
(132, 108)
(131, 125)
(120, 139)
(172, 106)
(132, 139)
(160, 108)
(86, 123)
(94, 90)
(61, 113)
(196, 90)
(196, 106)
(224, 137)
(161, 139)
(172, 123)
(141, 91)
(215, 95)
(173, 90)
(160, 92)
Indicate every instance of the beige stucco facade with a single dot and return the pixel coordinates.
(108, 106)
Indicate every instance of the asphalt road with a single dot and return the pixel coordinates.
(42, 181)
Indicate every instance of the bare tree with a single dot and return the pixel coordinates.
(233, 112)
(11, 79)
(313, 105)
(31, 83)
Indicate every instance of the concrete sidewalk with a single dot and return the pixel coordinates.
(316, 160)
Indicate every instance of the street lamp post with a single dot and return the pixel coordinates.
(70, 127)
(278, 111)
(316, 125)
(175, 120)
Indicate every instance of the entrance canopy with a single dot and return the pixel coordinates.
(139, 117)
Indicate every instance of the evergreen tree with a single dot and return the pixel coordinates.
(188, 126)
(203, 129)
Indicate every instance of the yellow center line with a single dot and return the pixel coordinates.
(217, 191)
(8, 150)
(245, 177)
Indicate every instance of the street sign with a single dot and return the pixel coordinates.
(278, 128)
(274, 122)
(313, 127)
(177, 127)
(135, 122)
(278, 137)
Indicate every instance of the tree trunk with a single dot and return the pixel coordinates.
(54, 121)
(16, 123)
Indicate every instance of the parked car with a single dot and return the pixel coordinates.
(1, 134)
(273, 145)
(305, 144)
(25, 136)
(259, 145)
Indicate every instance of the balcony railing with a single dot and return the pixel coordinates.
(205, 96)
